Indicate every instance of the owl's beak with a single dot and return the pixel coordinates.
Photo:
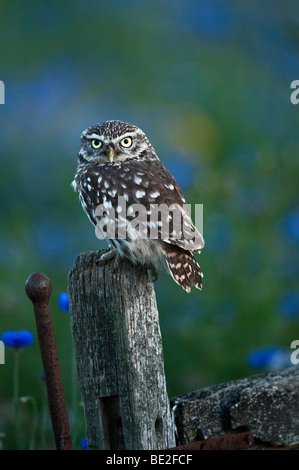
(111, 153)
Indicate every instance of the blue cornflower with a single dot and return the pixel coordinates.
(17, 339)
(84, 443)
(290, 225)
(289, 304)
(273, 357)
(63, 301)
(212, 19)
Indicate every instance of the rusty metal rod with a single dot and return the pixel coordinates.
(38, 288)
(238, 441)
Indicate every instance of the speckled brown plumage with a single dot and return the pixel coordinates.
(119, 172)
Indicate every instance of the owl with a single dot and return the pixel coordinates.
(135, 203)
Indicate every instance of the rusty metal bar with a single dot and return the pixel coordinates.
(38, 288)
(239, 441)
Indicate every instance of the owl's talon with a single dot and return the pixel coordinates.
(153, 273)
(112, 253)
(153, 280)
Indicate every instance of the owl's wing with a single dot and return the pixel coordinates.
(148, 185)
(182, 231)
(158, 190)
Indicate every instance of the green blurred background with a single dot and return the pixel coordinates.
(209, 83)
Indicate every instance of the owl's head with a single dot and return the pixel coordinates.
(113, 142)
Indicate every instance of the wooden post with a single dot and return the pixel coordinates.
(118, 349)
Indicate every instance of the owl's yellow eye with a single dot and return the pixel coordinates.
(126, 142)
(96, 143)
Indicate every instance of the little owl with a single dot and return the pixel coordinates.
(135, 202)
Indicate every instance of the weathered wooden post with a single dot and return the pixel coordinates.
(118, 349)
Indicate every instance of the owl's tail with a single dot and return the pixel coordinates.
(183, 267)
